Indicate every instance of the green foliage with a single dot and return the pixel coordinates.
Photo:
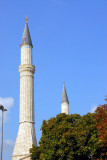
(68, 137)
(35, 150)
(87, 136)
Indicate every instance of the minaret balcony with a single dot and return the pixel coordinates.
(27, 67)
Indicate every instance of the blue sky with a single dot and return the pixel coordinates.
(70, 44)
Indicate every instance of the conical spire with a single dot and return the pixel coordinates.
(64, 95)
(26, 39)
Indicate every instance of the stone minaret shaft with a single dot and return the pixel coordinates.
(26, 134)
(64, 101)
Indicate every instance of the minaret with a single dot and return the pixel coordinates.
(26, 134)
(64, 102)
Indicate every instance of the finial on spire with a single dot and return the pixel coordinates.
(63, 83)
(26, 19)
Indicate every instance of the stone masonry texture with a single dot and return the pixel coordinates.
(26, 133)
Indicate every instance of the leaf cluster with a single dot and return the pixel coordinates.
(101, 119)
(68, 137)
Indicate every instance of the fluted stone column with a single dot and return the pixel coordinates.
(26, 134)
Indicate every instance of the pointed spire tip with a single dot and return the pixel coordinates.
(64, 94)
(26, 39)
(63, 83)
(26, 19)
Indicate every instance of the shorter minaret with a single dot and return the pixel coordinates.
(64, 101)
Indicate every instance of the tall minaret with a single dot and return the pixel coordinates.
(64, 102)
(26, 134)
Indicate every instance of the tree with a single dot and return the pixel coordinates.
(101, 119)
(87, 136)
(68, 137)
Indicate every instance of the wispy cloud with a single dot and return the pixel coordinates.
(8, 146)
(7, 103)
(94, 107)
(9, 142)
